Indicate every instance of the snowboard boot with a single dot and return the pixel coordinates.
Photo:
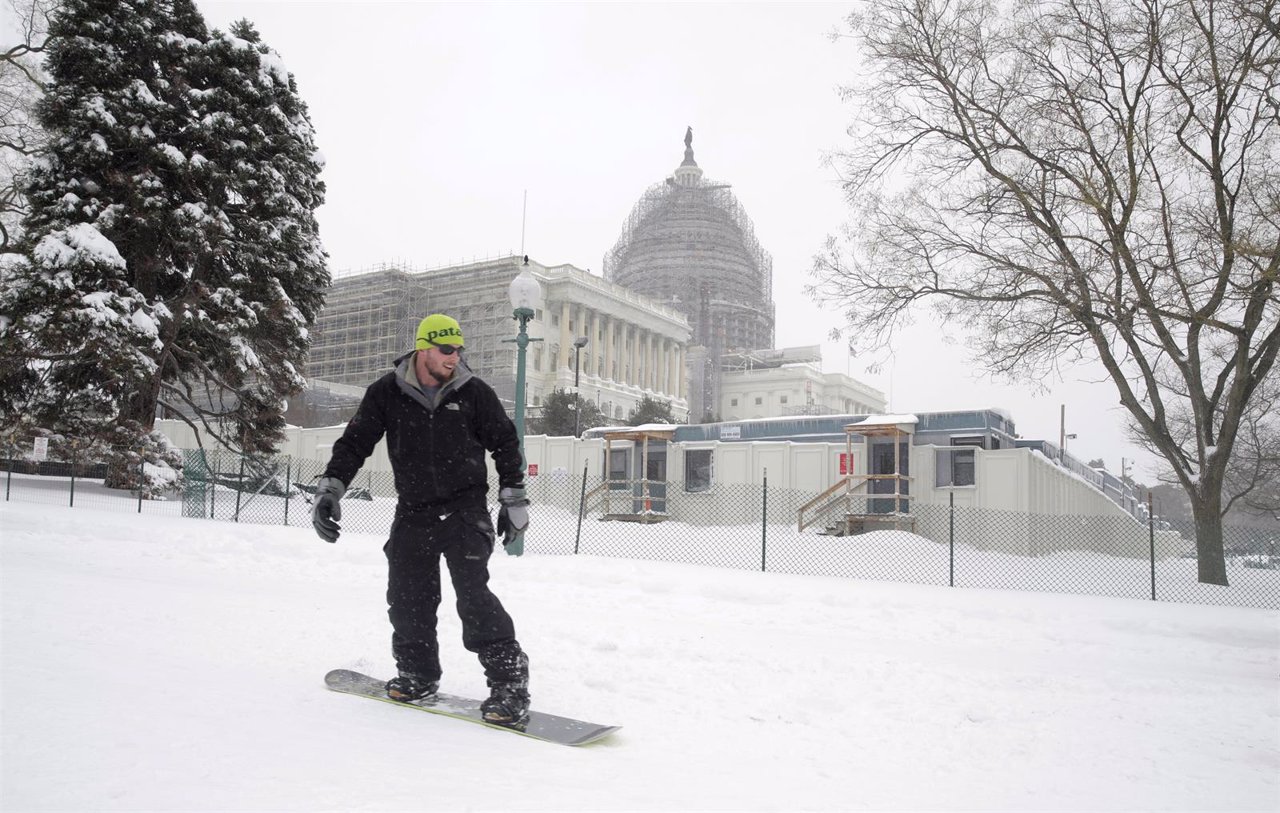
(408, 687)
(508, 703)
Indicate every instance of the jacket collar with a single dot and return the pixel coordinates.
(407, 379)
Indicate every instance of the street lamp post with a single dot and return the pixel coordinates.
(524, 293)
(578, 344)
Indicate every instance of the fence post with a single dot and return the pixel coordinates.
(239, 488)
(951, 537)
(764, 522)
(213, 483)
(288, 485)
(582, 508)
(1151, 535)
(142, 479)
(8, 480)
(72, 504)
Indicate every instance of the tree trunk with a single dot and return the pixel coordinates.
(1211, 561)
(139, 410)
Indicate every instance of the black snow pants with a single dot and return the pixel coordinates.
(464, 537)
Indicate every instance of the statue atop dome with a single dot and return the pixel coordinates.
(688, 149)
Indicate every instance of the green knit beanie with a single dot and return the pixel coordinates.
(438, 329)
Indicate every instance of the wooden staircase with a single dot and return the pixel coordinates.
(842, 510)
(610, 497)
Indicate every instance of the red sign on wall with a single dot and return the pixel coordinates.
(533, 469)
(846, 465)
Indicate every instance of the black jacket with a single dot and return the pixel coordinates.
(436, 449)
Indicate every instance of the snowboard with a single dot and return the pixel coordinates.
(538, 725)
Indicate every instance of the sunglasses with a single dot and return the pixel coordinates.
(447, 349)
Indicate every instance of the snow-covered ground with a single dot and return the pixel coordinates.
(159, 663)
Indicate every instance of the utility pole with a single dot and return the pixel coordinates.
(1062, 435)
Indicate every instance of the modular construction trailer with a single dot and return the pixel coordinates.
(826, 475)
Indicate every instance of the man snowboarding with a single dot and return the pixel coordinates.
(439, 420)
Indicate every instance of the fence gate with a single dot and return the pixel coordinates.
(196, 483)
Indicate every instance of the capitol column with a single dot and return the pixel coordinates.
(596, 351)
(562, 357)
(620, 350)
(664, 366)
(659, 371)
(675, 368)
(682, 372)
(670, 360)
(608, 347)
(574, 332)
(677, 372)
(579, 329)
(660, 364)
(648, 360)
(639, 351)
(650, 369)
(631, 340)
(634, 378)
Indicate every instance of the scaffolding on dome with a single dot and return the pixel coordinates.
(688, 244)
(667, 195)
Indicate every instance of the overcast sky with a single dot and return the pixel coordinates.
(436, 119)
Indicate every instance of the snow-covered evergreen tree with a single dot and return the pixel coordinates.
(650, 410)
(173, 254)
(558, 415)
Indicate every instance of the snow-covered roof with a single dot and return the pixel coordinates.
(655, 427)
(644, 427)
(886, 420)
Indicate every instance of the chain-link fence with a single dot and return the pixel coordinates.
(75, 483)
(743, 526)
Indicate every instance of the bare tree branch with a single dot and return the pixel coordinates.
(1078, 179)
(20, 89)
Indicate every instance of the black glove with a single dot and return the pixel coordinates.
(513, 516)
(327, 508)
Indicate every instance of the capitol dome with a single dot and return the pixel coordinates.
(688, 244)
